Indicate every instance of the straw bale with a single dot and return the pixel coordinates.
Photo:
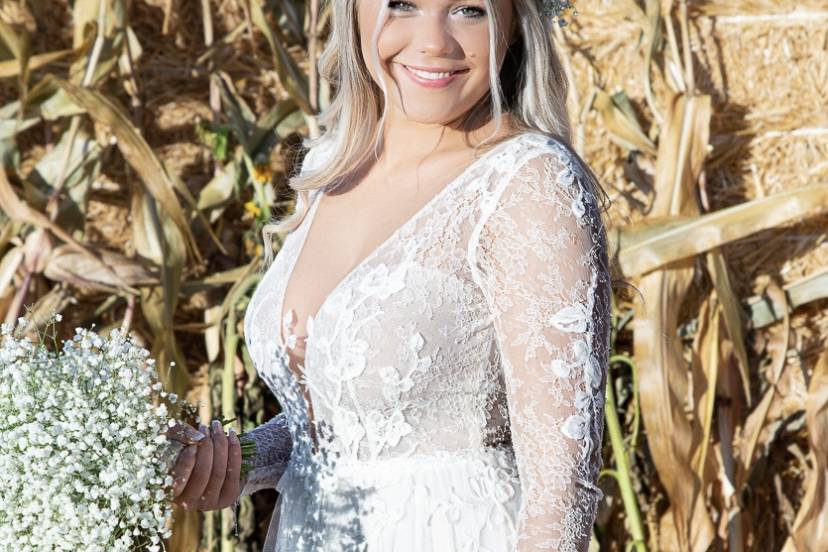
(764, 65)
(109, 224)
(178, 117)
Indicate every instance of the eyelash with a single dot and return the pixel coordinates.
(478, 12)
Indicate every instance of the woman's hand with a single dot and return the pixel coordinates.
(206, 473)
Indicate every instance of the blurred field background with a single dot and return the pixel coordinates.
(145, 142)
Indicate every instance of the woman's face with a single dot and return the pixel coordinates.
(434, 37)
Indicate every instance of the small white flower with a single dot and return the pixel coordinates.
(416, 342)
(375, 424)
(397, 428)
(389, 375)
(347, 427)
(566, 177)
(594, 374)
(291, 341)
(581, 350)
(560, 368)
(387, 430)
(572, 318)
(577, 207)
(353, 360)
(382, 283)
(583, 401)
(575, 427)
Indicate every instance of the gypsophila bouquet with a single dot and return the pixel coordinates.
(84, 460)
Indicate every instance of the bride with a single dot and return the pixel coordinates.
(435, 325)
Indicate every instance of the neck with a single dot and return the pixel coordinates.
(404, 139)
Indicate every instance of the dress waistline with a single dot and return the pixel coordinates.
(312, 472)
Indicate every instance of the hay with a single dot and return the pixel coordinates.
(765, 68)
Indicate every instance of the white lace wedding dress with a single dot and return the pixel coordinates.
(456, 375)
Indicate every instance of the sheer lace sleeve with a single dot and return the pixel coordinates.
(539, 255)
(273, 448)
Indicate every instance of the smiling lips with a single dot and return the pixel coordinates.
(432, 79)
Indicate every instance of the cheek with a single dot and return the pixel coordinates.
(367, 12)
(476, 48)
(390, 42)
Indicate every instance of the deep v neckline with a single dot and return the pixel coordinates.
(308, 226)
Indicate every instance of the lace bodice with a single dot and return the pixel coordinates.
(481, 322)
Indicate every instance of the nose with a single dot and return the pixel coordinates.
(433, 37)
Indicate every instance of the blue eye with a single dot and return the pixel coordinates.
(394, 3)
(475, 11)
(472, 12)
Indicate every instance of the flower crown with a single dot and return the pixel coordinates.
(554, 8)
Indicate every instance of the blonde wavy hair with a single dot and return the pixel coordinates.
(530, 88)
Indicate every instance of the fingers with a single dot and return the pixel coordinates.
(200, 476)
(184, 433)
(183, 468)
(218, 473)
(231, 489)
(207, 472)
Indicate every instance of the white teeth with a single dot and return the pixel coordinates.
(430, 75)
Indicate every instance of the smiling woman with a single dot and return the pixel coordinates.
(415, 43)
(436, 323)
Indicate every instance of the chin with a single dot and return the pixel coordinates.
(426, 116)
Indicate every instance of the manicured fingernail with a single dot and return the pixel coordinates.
(216, 426)
(232, 431)
(193, 434)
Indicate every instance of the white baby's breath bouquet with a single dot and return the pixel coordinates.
(84, 460)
